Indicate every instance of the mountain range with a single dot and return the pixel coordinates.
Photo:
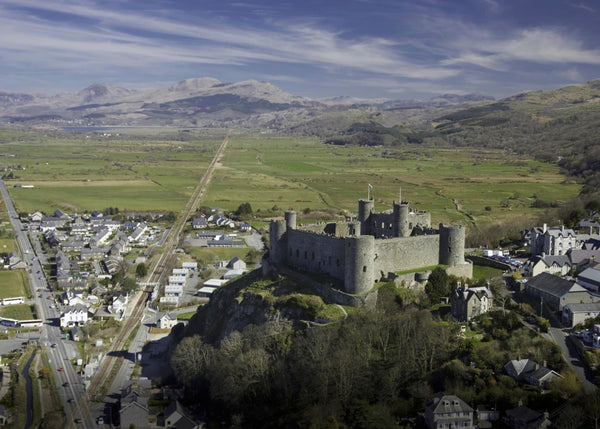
(207, 102)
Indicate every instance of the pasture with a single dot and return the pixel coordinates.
(18, 311)
(158, 171)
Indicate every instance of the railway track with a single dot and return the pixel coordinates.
(158, 272)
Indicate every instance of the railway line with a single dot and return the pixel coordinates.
(158, 272)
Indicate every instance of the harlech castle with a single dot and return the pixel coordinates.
(366, 250)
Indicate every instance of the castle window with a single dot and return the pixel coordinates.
(291, 252)
(337, 262)
(313, 256)
(364, 268)
(305, 254)
(297, 253)
(330, 260)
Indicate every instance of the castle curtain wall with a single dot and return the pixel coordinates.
(318, 253)
(399, 254)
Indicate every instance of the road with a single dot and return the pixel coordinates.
(570, 354)
(70, 385)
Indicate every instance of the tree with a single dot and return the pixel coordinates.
(438, 285)
(129, 284)
(245, 209)
(141, 270)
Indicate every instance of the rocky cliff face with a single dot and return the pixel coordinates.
(252, 300)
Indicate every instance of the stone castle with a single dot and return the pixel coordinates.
(363, 251)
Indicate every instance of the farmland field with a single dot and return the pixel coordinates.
(159, 171)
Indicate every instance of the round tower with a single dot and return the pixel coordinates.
(290, 219)
(401, 228)
(452, 245)
(359, 255)
(365, 208)
(277, 240)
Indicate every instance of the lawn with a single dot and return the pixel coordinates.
(12, 283)
(18, 312)
(210, 255)
(7, 245)
(482, 272)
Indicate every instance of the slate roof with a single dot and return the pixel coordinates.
(550, 284)
(523, 414)
(560, 260)
(521, 366)
(590, 274)
(449, 404)
(585, 307)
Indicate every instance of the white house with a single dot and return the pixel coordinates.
(73, 316)
(173, 289)
(236, 264)
(170, 299)
(166, 320)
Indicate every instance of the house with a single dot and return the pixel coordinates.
(190, 265)
(236, 264)
(176, 417)
(486, 415)
(215, 282)
(245, 227)
(445, 411)
(530, 372)
(206, 291)
(557, 292)
(554, 264)
(3, 415)
(169, 299)
(73, 316)
(134, 411)
(166, 320)
(574, 314)
(525, 418)
(199, 223)
(590, 279)
(552, 241)
(467, 302)
(583, 258)
(36, 216)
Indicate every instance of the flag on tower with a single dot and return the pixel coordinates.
(370, 186)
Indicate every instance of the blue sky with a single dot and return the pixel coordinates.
(362, 48)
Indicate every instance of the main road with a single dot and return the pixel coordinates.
(76, 400)
(69, 384)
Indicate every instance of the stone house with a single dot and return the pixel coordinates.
(176, 416)
(553, 240)
(444, 411)
(166, 320)
(467, 302)
(574, 314)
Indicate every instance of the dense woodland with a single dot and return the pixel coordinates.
(374, 369)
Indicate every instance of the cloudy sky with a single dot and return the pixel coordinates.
(312, 48)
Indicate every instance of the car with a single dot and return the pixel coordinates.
(70, 400)
(65, 384)
(78, 420)
(100, 420)
(53, 345)
(61, 368)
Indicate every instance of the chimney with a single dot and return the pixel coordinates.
(562, 228)
(545, 229)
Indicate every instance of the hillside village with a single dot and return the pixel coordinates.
(89, 255)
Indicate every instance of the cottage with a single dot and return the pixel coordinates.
(134, 411)
(530, 372)
(199, 223)
(237, 264)
(590, 279)
(166, 320)
(445, 411)
(176, 417)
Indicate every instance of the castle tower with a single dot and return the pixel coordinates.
(290, 219)
(354, 228)
(278, 241)
(359, 252)
(401, 224)
(452, 245)
(365, 208)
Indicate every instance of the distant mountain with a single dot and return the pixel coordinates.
(208, 102)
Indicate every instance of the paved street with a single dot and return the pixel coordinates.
(570, 354)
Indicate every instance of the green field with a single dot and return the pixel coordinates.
(13, 283)
(18, 311)
(7, 245)
(210, 255)
(159, 171)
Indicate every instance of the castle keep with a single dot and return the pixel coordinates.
(366, 250)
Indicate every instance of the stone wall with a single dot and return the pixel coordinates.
(315, 252)
(407, 253)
